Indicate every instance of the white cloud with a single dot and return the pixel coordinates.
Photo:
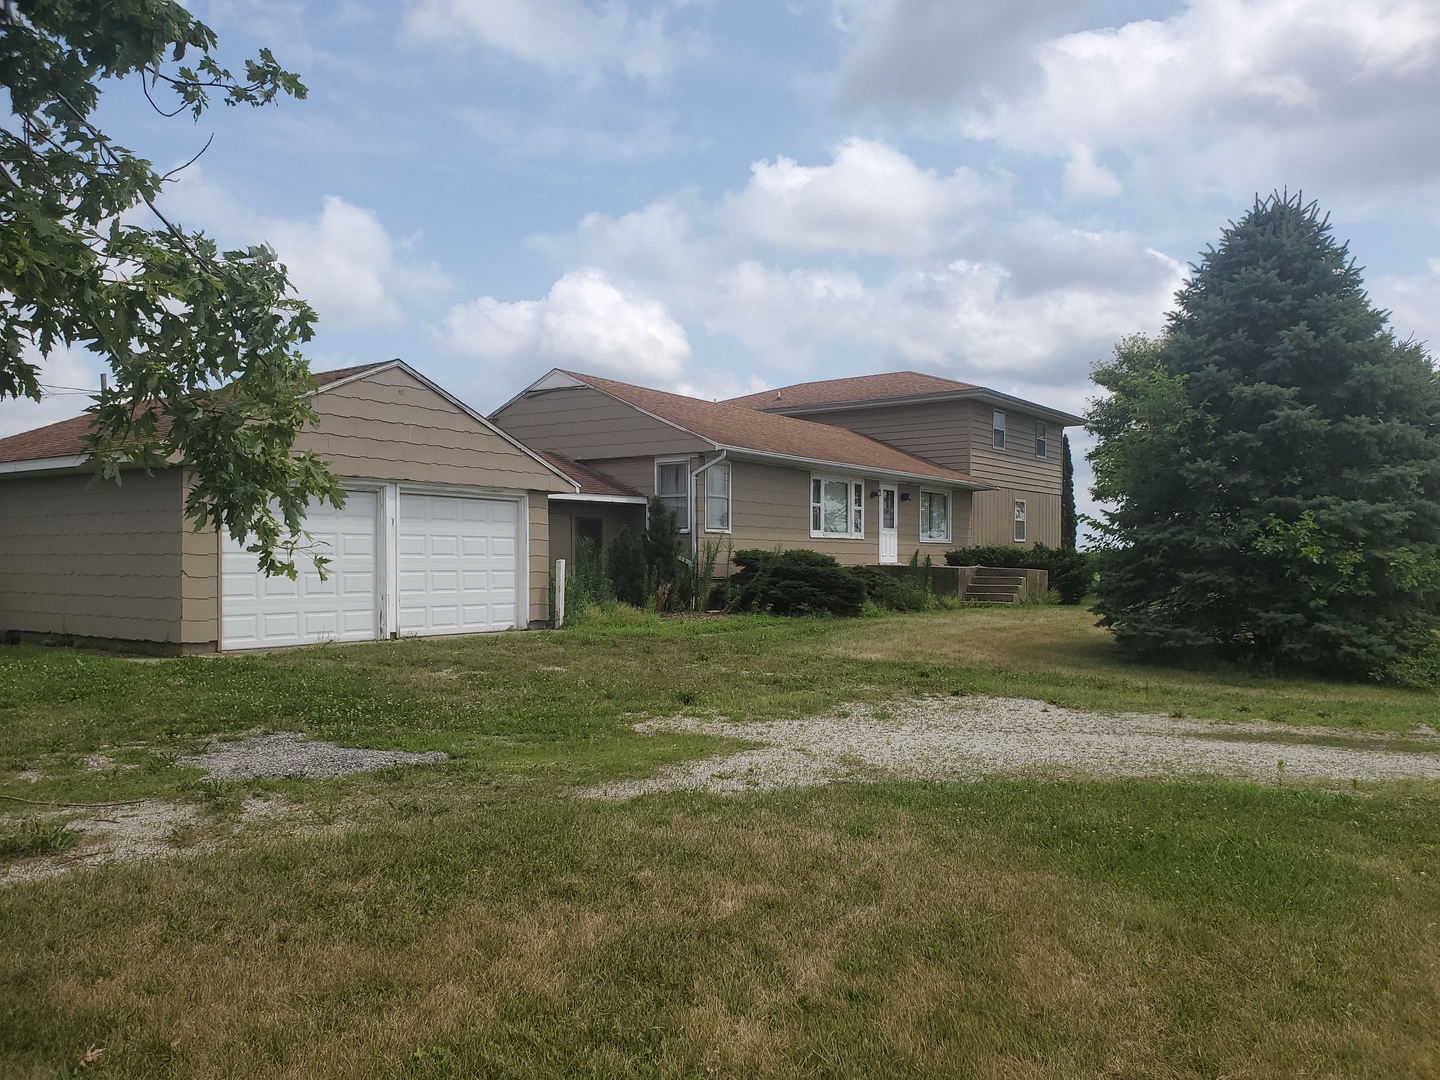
(68, 377)
(1086, 178)
(344, 261)
(586, 321)
(1414, 305)
(870, 198)
(566, 35)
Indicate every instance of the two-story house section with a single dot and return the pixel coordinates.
(1012, 445)
(741, 476)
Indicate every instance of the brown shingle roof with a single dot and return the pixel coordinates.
(740, 428)
(591, 481)
(67, 438)
(898, 384)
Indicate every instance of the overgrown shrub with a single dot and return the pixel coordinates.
(627, 568)
(795, 582)
(588, 584)
(913, 591)
(1070, 571)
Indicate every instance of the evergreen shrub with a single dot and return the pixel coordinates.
(795, 582)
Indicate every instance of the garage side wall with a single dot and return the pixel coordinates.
(92, 561)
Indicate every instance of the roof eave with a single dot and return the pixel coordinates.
(744, 453)
(980, 393)
(68, 463)
(589, 497)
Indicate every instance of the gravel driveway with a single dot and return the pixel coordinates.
(974, 737)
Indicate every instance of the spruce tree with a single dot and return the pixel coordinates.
(1273, 463)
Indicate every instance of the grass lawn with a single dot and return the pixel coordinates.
(477, 919)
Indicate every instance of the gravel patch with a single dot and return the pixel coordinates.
(144, 830)
(971, 738)
(289, 755)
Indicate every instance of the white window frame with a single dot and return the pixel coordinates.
(1042, 439)
(729, 501)
(682, 516)
(854, 510)
(949, 498)
(1019, 521)
(997, 429)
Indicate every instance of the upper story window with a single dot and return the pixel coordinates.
(717, 498)
(935, 516)
(997, 430)
(1042, 441)
(837, 506)
(672, 485)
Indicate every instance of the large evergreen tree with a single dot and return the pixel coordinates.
(1273, 463)
(1068, 521)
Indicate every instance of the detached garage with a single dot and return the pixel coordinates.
(444, 531)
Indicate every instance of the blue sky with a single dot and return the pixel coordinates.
(716, 197)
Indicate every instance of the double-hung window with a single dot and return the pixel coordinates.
(672, 485)
(997, 429)
(1041, 438)
(1019, 521)
(837, 507)
(717, 498)
(935, 517)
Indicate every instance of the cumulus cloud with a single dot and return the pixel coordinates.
(1229, 95)
(586, 321)
(565, 35)
(68, 378)
(343, 261)
(1414, 305)
(870, 198)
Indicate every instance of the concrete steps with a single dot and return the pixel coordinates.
(995, 585)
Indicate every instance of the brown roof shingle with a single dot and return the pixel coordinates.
(67, 438)
(591, 481)
(741, 428)
(898, 384)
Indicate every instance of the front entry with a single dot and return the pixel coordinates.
(889, 541)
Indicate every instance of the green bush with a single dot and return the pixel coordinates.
(588, 584)
(795, 582)
(1070, 571)
(911, 592)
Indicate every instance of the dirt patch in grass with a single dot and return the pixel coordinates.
(288, 754)
(972, 738)
(147, 829)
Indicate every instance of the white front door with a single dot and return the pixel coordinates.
(459, 564)
(259, 612)
(889, 539)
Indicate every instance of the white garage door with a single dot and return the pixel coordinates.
(261, 612)
(458, 564)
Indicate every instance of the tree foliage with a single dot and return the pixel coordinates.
(1273, 464)
(627, 568)
(204, 344)
(1068, 519)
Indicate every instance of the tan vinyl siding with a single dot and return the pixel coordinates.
(993, 520)
(770, 507)
(101, 561)
(638, 473)
(539, 530)
(388, 426)
(1016, 465)
(199, 585)
(938, 431)
(582, 423)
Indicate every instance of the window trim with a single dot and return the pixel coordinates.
(1042, 439)
(686, 485)
(1020, 529)
(997, 429)
(854, 509)
(729, 497)
(949, 497)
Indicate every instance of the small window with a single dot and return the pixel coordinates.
(672, 484)
(997, 430)
(1041, 440)
(717, 498)
(837, 507)
(1019, 521)
(935, 516)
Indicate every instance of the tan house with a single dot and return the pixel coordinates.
(445, 530)
(870, 470)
